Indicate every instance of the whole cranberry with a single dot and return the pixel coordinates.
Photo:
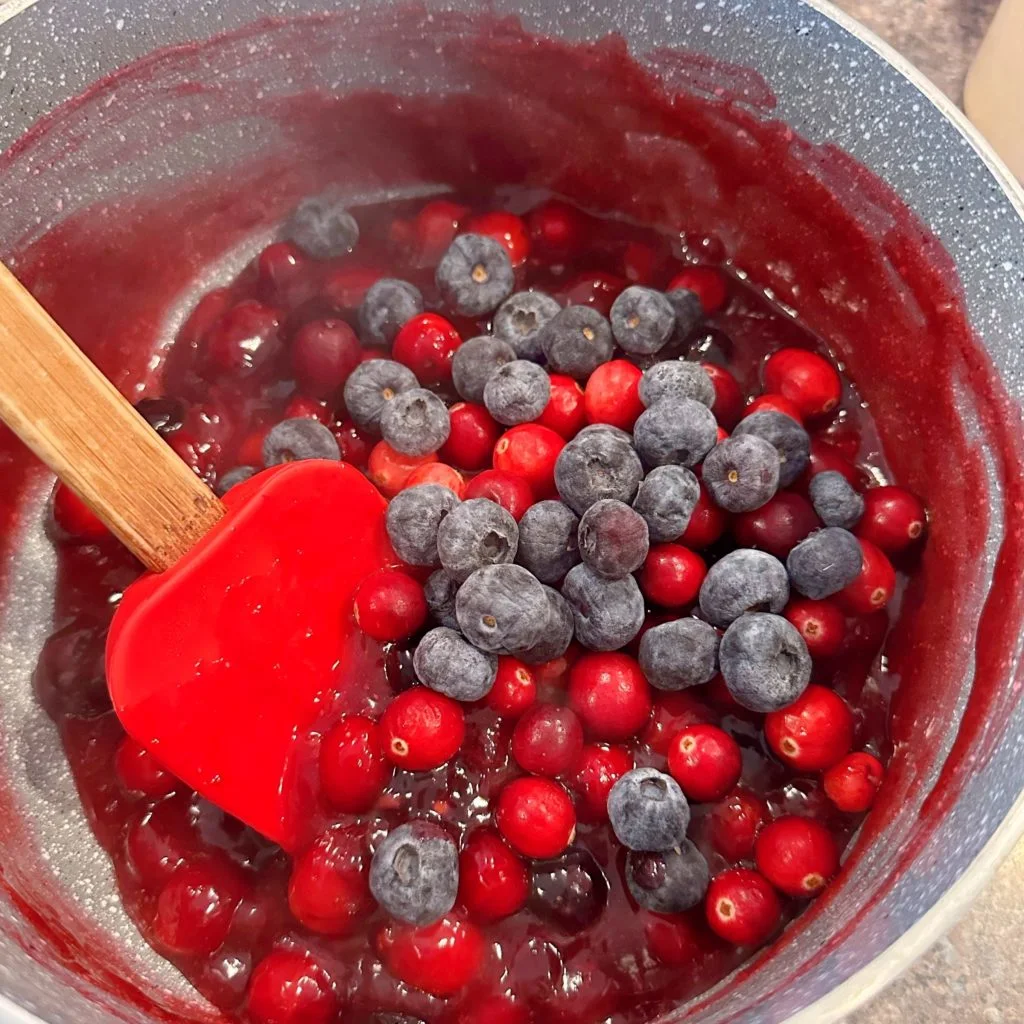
(422, 729)
(353, 766)
(473, 434)
(506, 228)
(610, 694)
(709, 284)
(285, 275)
(324, 353)
(676, 941)
(797, 855)
(75, 519)
(557, 230)
(439, 958)
(548, 740)
(434, 228)
(778, 525)
(705, 761)
(513, 493)
(734, 822)
(612, 394)
(493, 1010)
(641, 262)
(598, 768)
(852, 783)
(194, 908)
(826, 457)
(161, 841)
(821, 624)
(707, 523)
(742, 907)
(893, 519)
(728, 404)
(530, 451)
(593, 288)
(140, 772)
(570, 892)
(427, 344)
(514, 689)
(304, 407)
(806, 379)
(565, 412)
(390, 470)
(210, 308)
(438, 473)
(775, 403)
(289, 987)
(245, 340)
(672, 575)
(201, 457)
(814, 732)
(536, 817)
(389, 605)
(345, 287)
(329, 889)
(672, 712)
(493, 881)
(354, 444)
(874, 586)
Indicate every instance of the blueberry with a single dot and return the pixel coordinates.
(597, 465)
(613, 539)
(742, 473)
(323, 227)
(547, 540)
(371, 385)
(413, 519)
(300, 438)
(642, 320)
(475, 275)
(557, 633)
(670, 881)
(502, 609)
(688, 310)
(824, 563)
(576, 341)
(389, 304)
(648, 811)
(416, 422)
(569, 893)
(764, 662)
(666, 499)
(414, 874)
(607, 614)
(517, 392)
(233, 477)
(475, 361)
(164, 415)
(519, 321)
(439, 591)
(479, 532)
(788, 437)
(835, 500)
(674, 378)
(744, 580)
(675, 432)
(679, 654)
(605, 430)
(447, 662)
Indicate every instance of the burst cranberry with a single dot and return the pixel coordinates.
(565, 412)
(742, 907)
(734, 822)
(774, 403)
(353, 767)
(707, 523)
(506, 228)
(536, 817)
(827, 458)
(304, 407)
(513, 493)
(851, 784)
(557, 230)
(434, 227)
(778, 525)
(797, 855)
(672, 712)
(671, 575)
(324, 353)
(289, 987)
(210, 308)
(390, 470)
(355, 445)
(246, 339)
(598, 768)
(705, 761)
(194, 908)
(440, 474)
(874, 586)
(74, 517)
(805, 378)
(612, 394)
(547, 740)
(472, 436)
(439, 958)
(707, 283)
(893, 519)
(610, 694)
(493, 881)
(284, 275)
(820, 623)
(346, 287)
(140, 772)
(676, 941)
(493, 1010)
(514, 689)
(814, 732)
(427, 344)
(422, 729)
(728, 404)
(329, 889)
(161, 841)
(599, 290)
(530, 451)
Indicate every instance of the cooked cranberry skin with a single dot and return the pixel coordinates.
(289, 987)
(853, 782)
(506, 228)
(728, 404)
(672, 575)
(329, 889)
(140, 772)
(353, 766)
(514, 689)
(598, 768)
(548, 740)
(427, 344)
(705, 761)
(324, 353)
(245, 340)
(440, 958)
(536, 817)
(775, 403)
(557, 230)
(75, 518)
(610, 694)
(390, 470)
(493, 881)
(814, 732)
(708, 283)
(437, 473)
(893, 519)
(673, 712)
(194, 908)
(707, 523)
(797, 855)
(742, 907)
(874, 587)
(389, 605)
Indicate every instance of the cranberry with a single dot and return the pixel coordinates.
(493, 1010)
(506, 228)
(304, 407)
(329, 889)
(353, 767)
(742, 907)
(194, 908)
(851, 784)
(797, 855)
(355, 445)
(160, 842)
(200, 457)
(873, 588)
(389, 605)
(676, 941)
(284, 275)
(547, 740)
(140, 772)
(814, 732)
(612, 394)
(599, 290)
(805, 378)
(246, 339)
(671, 575)
(224, 978)
(493, 881)
(557, 230)
(289, 987)
(610, 694)
(514, 690)
(778, 525)
(734, 822)
(434, 228)
(440, 474)
(565, 412)
(473, 434)
(672, 712)
(324, 353)
(74, 517)
(820, 623)
(641, 262)
(426, 344)
(536, 817)
(708, 283)
(346, 287)
(439, 958)
(705, 761)
(826, 457)
(598, 768)
(530, 451)
(210, 308)
(865, 636)
(893, 519)
(774, 403)
(390, 470)
(571, 892)
(728, 404)
(707, 523)
(511, 492)
(422, 729)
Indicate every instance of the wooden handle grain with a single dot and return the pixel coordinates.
(78, 423)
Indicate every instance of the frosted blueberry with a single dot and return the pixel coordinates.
(666, 499)
(670, 881)
(835, 500)
(825, 562)
(475, 275)
(474, 363)
(372, 385)
(788, 437)
(648, 811)
(520, 319)
(502, 609)
(416, 422)
(642, 320)
(594, 466)
(448, 663)
(478, 533)
(388, 305)
(576, 341)
(764, 662)
(548, 544)
(607, 614)
(679, 654)
(299, 438)
(745, 580)
(675, 431)
(413, 519)
(517, 392)
(414, 874)
(742, 473)
(613, 539)
(675, 378)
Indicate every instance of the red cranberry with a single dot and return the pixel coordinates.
(74, 517)
(472, 437)
(284, 275)
(610, 694)
(199, 456)
(805, 378)
(672, 712)
(778, 525)
(599, 290)
(422, 729)
(825, 458)
(304, 407)
(329, 889)
(353, 767)
(511, 492)
(434, 228)
(742, 907)
(705, 761)
(676, 941)
(612, 394)
(893, 519)
(536, 817)
(641, 262)
(873, 588)
(851, 784)
(728, 404)
(289, 987)
(440, 474)
(346, 287)
(506, 228)
(514, 690)
(671, 576)
(324, 353)
(439, 958)
(775, 403)
(814, 732)
(160, 842)
(598, 768)
(530, 451)
(734, 822)
(194, 908)
(820, 623)
(865, 636)
(224, 978)
(797, 855)
(389, 605)
(245, 339)
(557, 230)
(390, 470)
(210, 308)
(565, 413)
(493, 881)
(426, 344)
(140, 772)
(708, 283)
(354, 444)
(493, 1010)
(707, 523)
(547, 740)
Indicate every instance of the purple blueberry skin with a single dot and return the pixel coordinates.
(517, 392)
(475, 275)
(297, 439)
(675, 378)
(577, 341)
(764, 662)
(789, 438)
(233, 477)
(826, 562)
(414, 874)
(322, 227)
(742, 581)
(613, 539)
(478, 533)
(416, 422)
(373, 384)
(389, 304)
(446, 662)
(668, 882)
(643, 320)
(648, 811)
(666, 499)
(742, 473)
(520, 320)
(475, 361)
(835, 500)
(502, 609)
(548, 544)
(679, 654)
(596, 465)
(607, 614)
(675, 432)
(413, 519)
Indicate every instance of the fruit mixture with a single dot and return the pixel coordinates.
(628, 706)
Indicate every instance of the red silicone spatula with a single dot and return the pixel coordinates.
(227, 655)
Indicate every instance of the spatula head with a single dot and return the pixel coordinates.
(226, 666)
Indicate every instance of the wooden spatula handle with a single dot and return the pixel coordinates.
(78, 423)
